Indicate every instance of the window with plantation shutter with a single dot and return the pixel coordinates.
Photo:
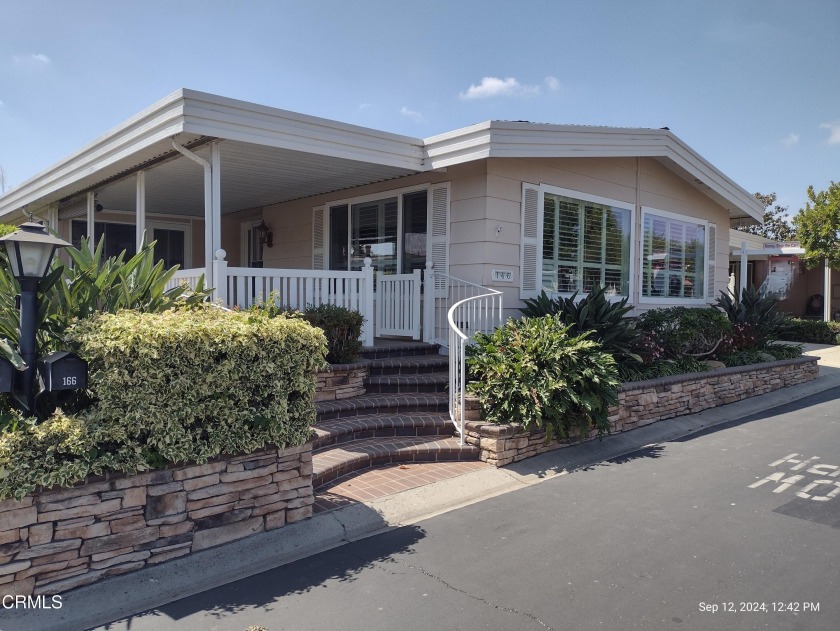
(712, 262)
(675, 264)
(584, 243)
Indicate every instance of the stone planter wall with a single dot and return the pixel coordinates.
(642, 403)
(55, 540)
(341, 381)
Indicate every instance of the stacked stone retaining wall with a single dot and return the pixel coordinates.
(642, 403)
(55, 540)
(341, 381)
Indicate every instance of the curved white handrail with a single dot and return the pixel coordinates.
(479, 313)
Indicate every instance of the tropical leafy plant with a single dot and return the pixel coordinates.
(812, 331)
(92, 284)
(758, 312)
(535, 371)
(606, 320)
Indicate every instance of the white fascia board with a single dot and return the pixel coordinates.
(499, 139)
(230, 119)
(157, 122)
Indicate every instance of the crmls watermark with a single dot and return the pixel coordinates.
(31, 602)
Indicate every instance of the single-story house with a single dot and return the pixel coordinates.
(260, 199)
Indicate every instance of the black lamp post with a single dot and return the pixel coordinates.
(30, 250)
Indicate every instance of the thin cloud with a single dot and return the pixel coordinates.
(790, 140)
(833, 132)
(494, 86)
(364, 106)
(417, 117)
(32, 61)
(553, 83)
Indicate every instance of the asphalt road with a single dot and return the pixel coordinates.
(680, 535)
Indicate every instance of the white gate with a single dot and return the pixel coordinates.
(398, 304)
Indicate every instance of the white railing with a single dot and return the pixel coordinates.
(476, 309)
(185, 277)
(297, 289)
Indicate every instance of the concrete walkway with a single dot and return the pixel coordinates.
(124, 595)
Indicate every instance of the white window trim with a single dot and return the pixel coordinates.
(596, 199)
(373, 197)
(669, 300)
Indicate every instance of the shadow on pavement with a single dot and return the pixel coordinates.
(262, 591)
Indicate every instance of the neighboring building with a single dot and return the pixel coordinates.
(776, 268)
(515, 206)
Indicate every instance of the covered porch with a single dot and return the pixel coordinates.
(196, 172)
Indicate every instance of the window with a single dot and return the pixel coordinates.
(391, 231)
(585, 243)
(673, 256)
(172, 240)
(118, 237)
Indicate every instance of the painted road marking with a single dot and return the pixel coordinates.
(806, 492)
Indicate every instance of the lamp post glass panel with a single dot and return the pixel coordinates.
(30, 250)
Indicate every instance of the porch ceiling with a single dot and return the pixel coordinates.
(251, 176)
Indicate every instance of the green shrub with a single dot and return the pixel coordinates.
(662, 367)
(532, 371)
(758, 313)
(595, 312)
(92, 284)
(188, 384)
(343, 328)
(685, 331)
(812, 332)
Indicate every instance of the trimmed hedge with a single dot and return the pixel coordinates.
(184, 385)
(812, 332)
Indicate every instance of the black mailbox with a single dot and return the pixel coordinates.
(7, 375)
(61, 371)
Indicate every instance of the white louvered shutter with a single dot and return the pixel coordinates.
(711, 259)
(530, 248)
(439, 234)
(319, 238)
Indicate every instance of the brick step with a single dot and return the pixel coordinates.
(381, 404)
(410, 365)
(399, 349)
(407, 384)
(381, 426)
(336, 461)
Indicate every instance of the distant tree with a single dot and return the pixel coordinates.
(775, 224)
(818, 227)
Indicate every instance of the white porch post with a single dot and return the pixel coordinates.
(743, 280)
(209, 204)
(429, 304)
(140, 209)
(827, 293)
(91, 210)
(216, 176)
(220, 275)
(368, 326)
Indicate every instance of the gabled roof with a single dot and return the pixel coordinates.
(271, 155)
(520, 139)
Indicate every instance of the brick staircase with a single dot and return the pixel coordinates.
(402, 417)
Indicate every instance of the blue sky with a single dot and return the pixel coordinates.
(750, 84)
